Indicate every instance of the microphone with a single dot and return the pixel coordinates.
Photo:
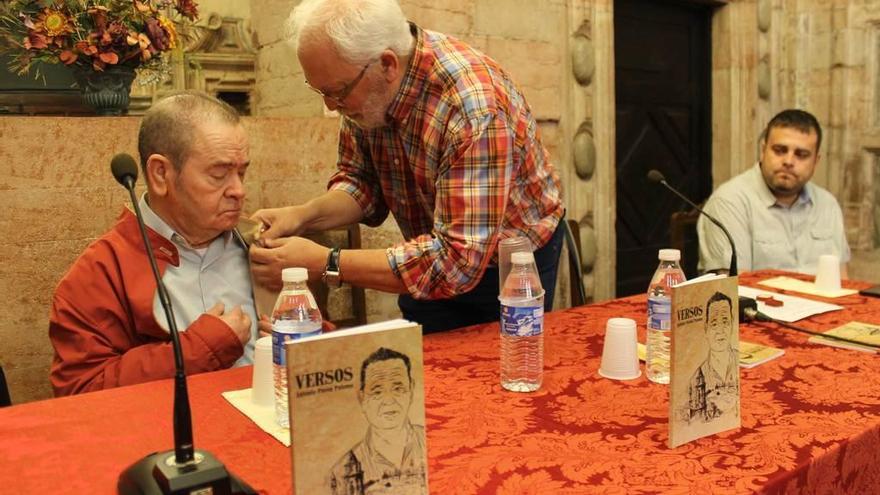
(753, 314)
(654, 175)
(124, 170)
(185, 470)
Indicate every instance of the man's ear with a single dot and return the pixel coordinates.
(158, 175)
(391, 65)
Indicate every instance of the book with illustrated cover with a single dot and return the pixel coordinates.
(750, 353)
(704, 389)
(357, 411)
(854, 330)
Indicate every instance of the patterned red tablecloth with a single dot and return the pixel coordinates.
(810, 421)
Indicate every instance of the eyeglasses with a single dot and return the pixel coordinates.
(338, 97)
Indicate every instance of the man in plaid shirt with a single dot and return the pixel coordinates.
(435, 133)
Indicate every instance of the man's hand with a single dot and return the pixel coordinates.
(280, 222)
(238, 321)
(264, 325)
(267, 262)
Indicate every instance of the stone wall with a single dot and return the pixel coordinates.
(818, 55)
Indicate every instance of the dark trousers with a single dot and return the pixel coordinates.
(481, 305)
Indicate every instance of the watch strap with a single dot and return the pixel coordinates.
(332, 274)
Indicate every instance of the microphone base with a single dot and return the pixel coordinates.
(745, 304)
(158, 474)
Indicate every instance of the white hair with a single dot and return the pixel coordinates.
(360, 30)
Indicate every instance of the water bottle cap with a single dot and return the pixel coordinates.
(669, 255)
(522, 258)
(294, 275)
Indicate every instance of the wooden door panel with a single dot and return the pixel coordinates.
(663, 122)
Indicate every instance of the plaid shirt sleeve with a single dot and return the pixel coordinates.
(355, 176)
(472, 186)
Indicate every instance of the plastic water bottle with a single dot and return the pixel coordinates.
(668, 274)
(522, 326)
(296, 315)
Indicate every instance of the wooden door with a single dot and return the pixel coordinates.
(662, 74)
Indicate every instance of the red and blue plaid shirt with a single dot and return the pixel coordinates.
(460, 166)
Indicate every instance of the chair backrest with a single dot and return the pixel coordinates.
(575, 263)
(4, 390)
(683, 236)
(348, 237)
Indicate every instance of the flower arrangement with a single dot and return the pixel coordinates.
(95, 34)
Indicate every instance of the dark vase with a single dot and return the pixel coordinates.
(106, 91)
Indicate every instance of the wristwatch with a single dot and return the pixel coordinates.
(332, 276)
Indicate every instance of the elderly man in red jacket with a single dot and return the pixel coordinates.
(106, 324)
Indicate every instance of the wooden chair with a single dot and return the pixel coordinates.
(680, 224)
(575, 264)
(4, 390)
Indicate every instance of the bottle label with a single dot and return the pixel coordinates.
(522, 321)
(659, 313)
(285, 331)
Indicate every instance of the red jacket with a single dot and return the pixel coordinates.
(102, 325)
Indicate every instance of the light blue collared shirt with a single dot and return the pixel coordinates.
(767, 234)
(218, 273)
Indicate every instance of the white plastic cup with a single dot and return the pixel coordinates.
(506, 248)
(828, 273)
(620, 358)
(262, 392)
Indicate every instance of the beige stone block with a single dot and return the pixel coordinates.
(453, 6)
(817, 50)
(440, 19)
(519, 19)
(29, 384)
(850, 47)
(480, 42)
(49, 152)
(286, 97)
(544, 102)
(279, 60)
(28, 276)
(531, 64)
(294, 148)
(276, 194)
(49, 214)
(268, 18)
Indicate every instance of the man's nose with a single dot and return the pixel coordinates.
(236, 188)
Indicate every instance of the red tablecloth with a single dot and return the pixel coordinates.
(810, 421)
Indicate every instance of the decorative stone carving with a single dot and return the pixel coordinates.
(219, 58)
(764, 79)
(589, 247)
(583, 62)
(764, 15)
(584, 152)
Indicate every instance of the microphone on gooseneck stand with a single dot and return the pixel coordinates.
(745, 303)
(184, 470)
(654, 175)
(753, 314)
